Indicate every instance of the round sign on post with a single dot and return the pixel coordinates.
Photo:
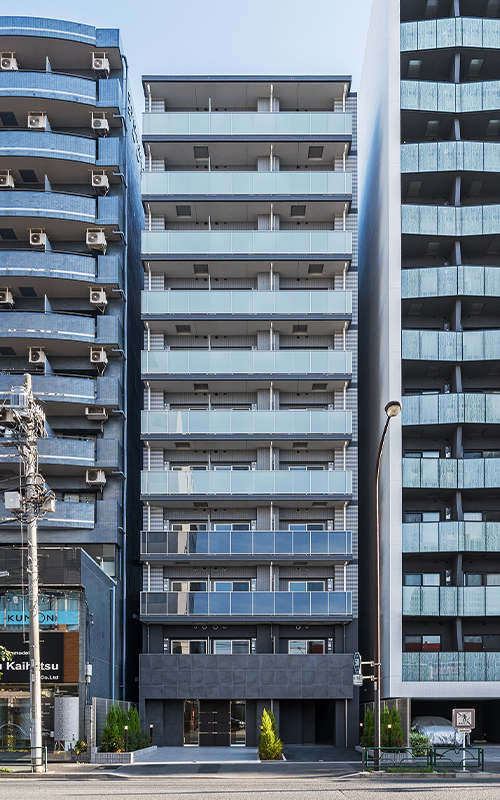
(356, 663)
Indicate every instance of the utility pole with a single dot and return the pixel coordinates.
(24, 423)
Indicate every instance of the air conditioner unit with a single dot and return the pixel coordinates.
(98, 297)
(98, 355)
(96, 239)
(95, 477)
(37, 238)
(8, 62)
(100, 123)
(97, 413)
(37, 355)
(100, 180)
(6, 297)
(6, 180)
(37, 121)
(100, 63)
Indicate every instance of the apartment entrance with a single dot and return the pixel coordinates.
(214, 723)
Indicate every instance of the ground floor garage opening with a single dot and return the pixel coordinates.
(487, 715)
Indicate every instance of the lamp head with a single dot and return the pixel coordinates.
(393, 408)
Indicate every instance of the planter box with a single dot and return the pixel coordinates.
(119, 758)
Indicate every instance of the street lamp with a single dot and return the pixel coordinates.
(392, 409)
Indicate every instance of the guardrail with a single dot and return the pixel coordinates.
(25, 756)
(468, 758)
(420, 758)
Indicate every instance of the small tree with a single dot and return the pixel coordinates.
(368, 735)
(270, 746)
(396, 728)
(111, 741)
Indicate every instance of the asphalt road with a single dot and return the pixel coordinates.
(204, 788)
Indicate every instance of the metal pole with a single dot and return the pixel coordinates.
(376, 645)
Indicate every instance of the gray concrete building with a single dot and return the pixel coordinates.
(249, 488)
(429, 301)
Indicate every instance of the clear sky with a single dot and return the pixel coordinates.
(217, 37)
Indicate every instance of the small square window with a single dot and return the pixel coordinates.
(315, 152)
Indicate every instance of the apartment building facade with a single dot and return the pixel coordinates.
(429, 268)
(69, 278)
(249, 484)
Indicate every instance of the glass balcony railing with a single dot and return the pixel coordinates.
(246, 423)
(247, 543)
(247, 123)
(451, 537)
(451, 345)
(451, 156)
(246, 302)
(450, 32)
(247, 362)
(451, 601)
(451, 666)
(331, 244)
(246, 183)
(455, 409)
(450, 282)
(451, 473)
(258, 482)
(453, 98)
(266, 604)
(450, 220)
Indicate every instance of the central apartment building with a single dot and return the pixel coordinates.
(249, 484)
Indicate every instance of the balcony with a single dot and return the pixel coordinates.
(432, 34)
(201, 424)
(253, 676)
(47, 205)
(451, 473)
(451, 345)
(41, 86)
(248, 363)
(256, 483)
(246, 303)
(451, 601)
(450, 220)
(246, 604)
(451, 667)
(63, 31)
(247, 543)
(68, 266)
(72, 453)
(258, 244)
(451, 98)
(450, 282)
(451, 409)
(451, 537)
(67, 515)
(451, 156)
(48, 145)
(247, 184)
(63, 327)
(81, 391)
(248, 124)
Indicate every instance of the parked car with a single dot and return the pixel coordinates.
(439, 730)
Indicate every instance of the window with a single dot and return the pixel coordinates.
(481, 453)
(307, 647)
(422, 644)
(232, 526)
(187, 586)
(307, 467)
(306, 586)
(473, 516)
(188, 647)
(230, 586)
(232, 467)
(69, 497)
(422, 516)
(222, 647)
(482, 579)
(483, 643)
(309, 526)
(189, 527)
(188, 467)
(423, 579)
(422, 454)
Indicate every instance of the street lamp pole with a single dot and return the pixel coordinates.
(392, 409)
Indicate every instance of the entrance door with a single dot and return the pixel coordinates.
(191, 721)
(238, 722)
(215, 723)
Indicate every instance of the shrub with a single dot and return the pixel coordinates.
(394, 720)
(270, 746)
(367, 737)
(80, 746)
(420, 741)
(111, 741)
(113, 733)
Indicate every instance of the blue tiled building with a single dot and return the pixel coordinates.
(70, 279)
(249, 484)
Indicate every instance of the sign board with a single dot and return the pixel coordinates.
(356, 663)
(464, 719)
(18, 670)
(357, 680)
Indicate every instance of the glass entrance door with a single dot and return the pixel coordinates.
(238, 722)
(191, 721)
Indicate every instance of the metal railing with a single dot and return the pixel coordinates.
(386, 757)
(25, 756)
(467, 758)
